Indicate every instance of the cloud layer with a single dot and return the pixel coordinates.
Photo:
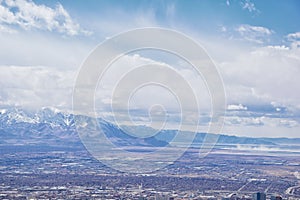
(34, 87)
(29, 15)
(256, 34)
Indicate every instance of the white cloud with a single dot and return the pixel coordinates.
(42, 86)
(257, 34)
(150, 95)
(36, 49)
(5, 29)
(236, 107)
(29, 15)
(262, 76)
(261, 127)
(248, 5)
(35, 87)
(263, 79)
(294, 36)
(261, 121)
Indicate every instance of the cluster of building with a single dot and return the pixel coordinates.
(49, 174)
(125, 193)
(255, 196)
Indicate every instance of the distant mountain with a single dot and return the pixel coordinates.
(46, 127)
(167, 135)
(53, 127)
(283, 140)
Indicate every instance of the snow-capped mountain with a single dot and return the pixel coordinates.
(19, 126)
(50, 126)
(50, 116)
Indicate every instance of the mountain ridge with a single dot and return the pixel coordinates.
(54, 127)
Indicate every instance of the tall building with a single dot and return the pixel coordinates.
(259, 196)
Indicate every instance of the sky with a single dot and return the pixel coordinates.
(254, 44)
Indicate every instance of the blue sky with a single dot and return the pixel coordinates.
(255, 45)
(199, 16)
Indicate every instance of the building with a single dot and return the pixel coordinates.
(276, 198)
(259, 196)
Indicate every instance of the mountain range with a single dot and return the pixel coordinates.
(52, 127)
